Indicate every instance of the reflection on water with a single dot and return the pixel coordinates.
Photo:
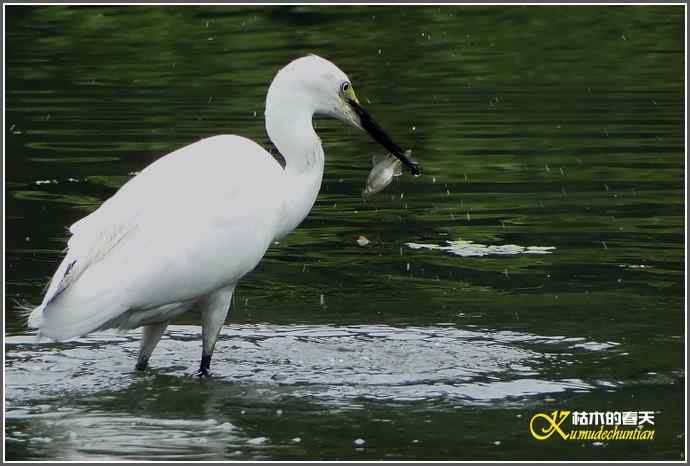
(556, 127)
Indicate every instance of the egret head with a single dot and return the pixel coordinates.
(328, 91)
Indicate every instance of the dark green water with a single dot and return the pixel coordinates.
(558, 127)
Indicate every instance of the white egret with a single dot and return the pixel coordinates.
(183, 231)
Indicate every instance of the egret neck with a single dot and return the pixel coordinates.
(289, 126)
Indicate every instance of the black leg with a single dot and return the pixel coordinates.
(151, 335)
(205, 367)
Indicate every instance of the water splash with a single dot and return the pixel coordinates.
(333, 364)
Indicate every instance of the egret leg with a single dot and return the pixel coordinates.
(150, 338)
(213, 313)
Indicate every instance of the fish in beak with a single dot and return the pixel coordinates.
(384, 169)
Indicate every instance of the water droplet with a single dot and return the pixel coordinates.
(362, 240)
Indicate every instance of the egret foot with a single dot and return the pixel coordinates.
(142, 365)
(214, 311)
(205, 367)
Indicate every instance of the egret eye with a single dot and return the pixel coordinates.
(344, 87)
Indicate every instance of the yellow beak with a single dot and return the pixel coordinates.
(350, 94)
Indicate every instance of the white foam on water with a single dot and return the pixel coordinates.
(333, 364)
(466, 248)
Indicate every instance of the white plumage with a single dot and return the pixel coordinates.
(184, 231)
(187, 225)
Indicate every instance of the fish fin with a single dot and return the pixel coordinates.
(378, 158)
(397, 164)
(397, 168)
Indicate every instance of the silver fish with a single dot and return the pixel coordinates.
(385, 168)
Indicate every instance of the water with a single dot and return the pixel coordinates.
(550, 217)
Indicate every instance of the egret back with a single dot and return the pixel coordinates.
(195, 220)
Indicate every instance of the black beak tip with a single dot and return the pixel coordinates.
(414, 169)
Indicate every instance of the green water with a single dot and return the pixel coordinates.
(558, 127)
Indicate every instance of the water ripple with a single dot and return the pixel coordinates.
(332, 364)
